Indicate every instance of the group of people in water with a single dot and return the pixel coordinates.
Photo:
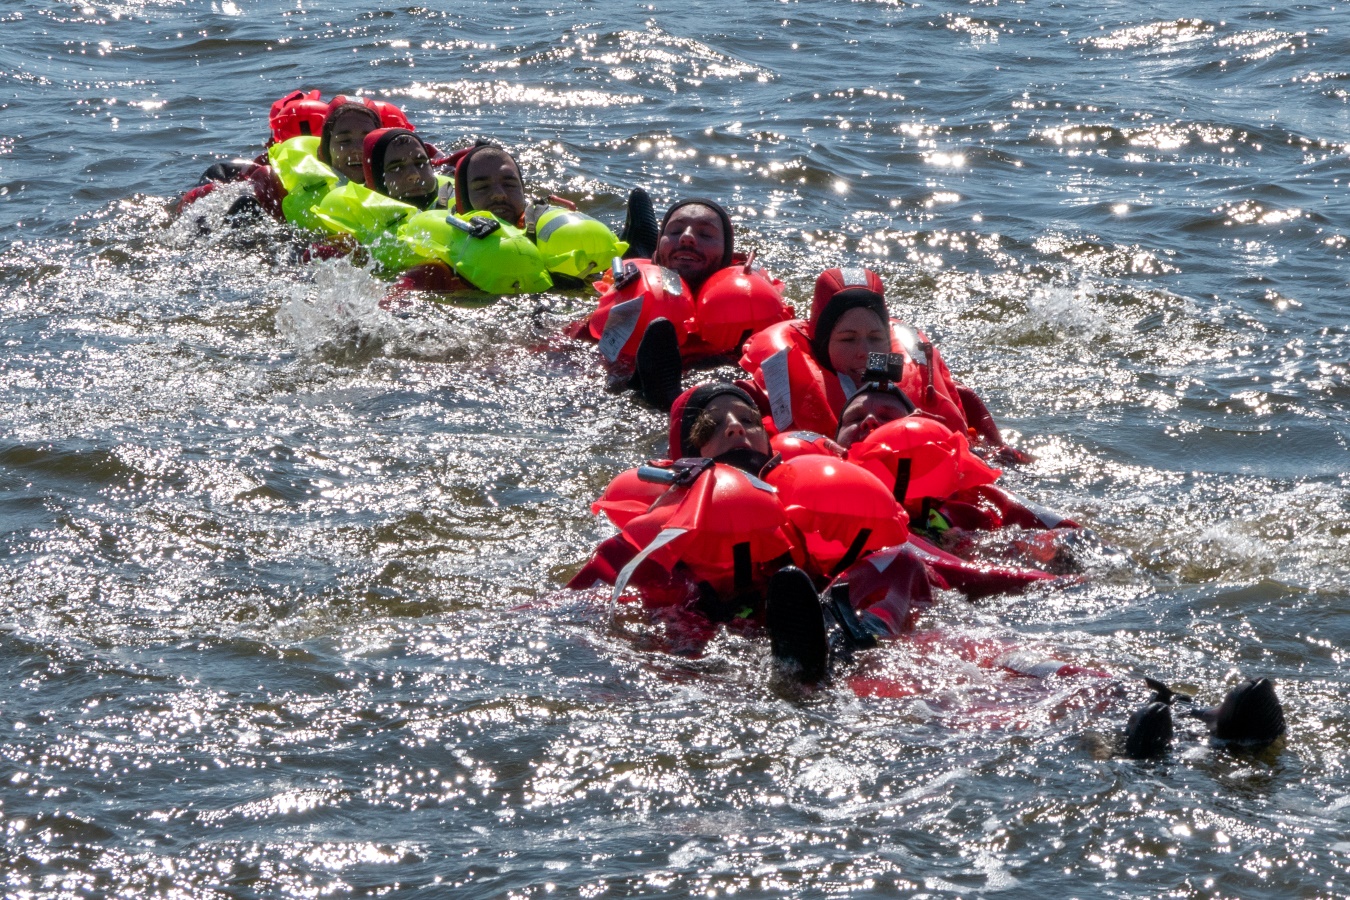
(824, 496)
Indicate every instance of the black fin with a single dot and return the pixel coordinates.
(1149, 732)
(640, 228)
(796, 626)
(1250, 713)
(659, 365)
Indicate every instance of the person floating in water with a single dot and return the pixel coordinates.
(499, 242)
(695, 301)
(809, 369)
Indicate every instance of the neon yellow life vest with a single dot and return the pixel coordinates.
(374, 220)
(583, 246)
(494, 256)
(306, 180)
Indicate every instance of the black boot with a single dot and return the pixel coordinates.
(640, 229)
(1250, 713)
(659, 366)
(853, 634)
(796, 626)
(1150, 731)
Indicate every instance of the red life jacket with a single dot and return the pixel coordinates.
(792, 444)
(627, 497)
(726, 527)
(803, 395)
(843, 511)
(629, 305)
(297, 113)
(921, 459)
(739, 299)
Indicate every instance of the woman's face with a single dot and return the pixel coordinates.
(407, 170)
(858, 332)
(735, 426)
(348, 140)
(866, 413)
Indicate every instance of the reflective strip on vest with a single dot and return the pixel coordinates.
(756, 482)
(626, 573)
(559, 221)
(779, 388)
(854, 278)
(623, 318)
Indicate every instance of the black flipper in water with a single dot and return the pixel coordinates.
(640, 228)
(1250, 713)
(659, 366)
(1149, 732)
(1164, 694)
(797, 626)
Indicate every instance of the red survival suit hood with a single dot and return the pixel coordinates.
(837, 292)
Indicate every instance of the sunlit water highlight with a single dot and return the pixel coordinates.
(282, 608)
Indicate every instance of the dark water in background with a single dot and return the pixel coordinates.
(281, 609)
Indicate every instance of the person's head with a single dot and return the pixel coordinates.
(868, 410)
(397, 165)
(718, 420)
(488, 178)
(849, 320)
(342, 143)
(695, 240)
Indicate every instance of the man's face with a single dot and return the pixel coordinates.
(407, 171)
(857, 333)
(734, 426)
(692, 243)
(346, 143)
(494, 185)
(865, 414)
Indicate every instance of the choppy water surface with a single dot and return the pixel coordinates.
(281, 602)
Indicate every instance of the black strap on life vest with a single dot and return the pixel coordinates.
(740, 556)
(901, 480)
(854, 550)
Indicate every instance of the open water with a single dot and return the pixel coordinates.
(281, 601)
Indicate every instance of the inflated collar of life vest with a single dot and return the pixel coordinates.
(298, 113)
(837, 292)
(292, 97)
(736, 302)
(461, 160)
(921, 458)
(684, 412)
(373, 151)
(728, 236)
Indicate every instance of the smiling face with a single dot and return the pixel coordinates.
(728, 423)
(865, 413)
(407, 170)
(350, 127)
(692, 243)
(494, 185)
(858, 332)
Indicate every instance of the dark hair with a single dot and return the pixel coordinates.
(330, 124)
